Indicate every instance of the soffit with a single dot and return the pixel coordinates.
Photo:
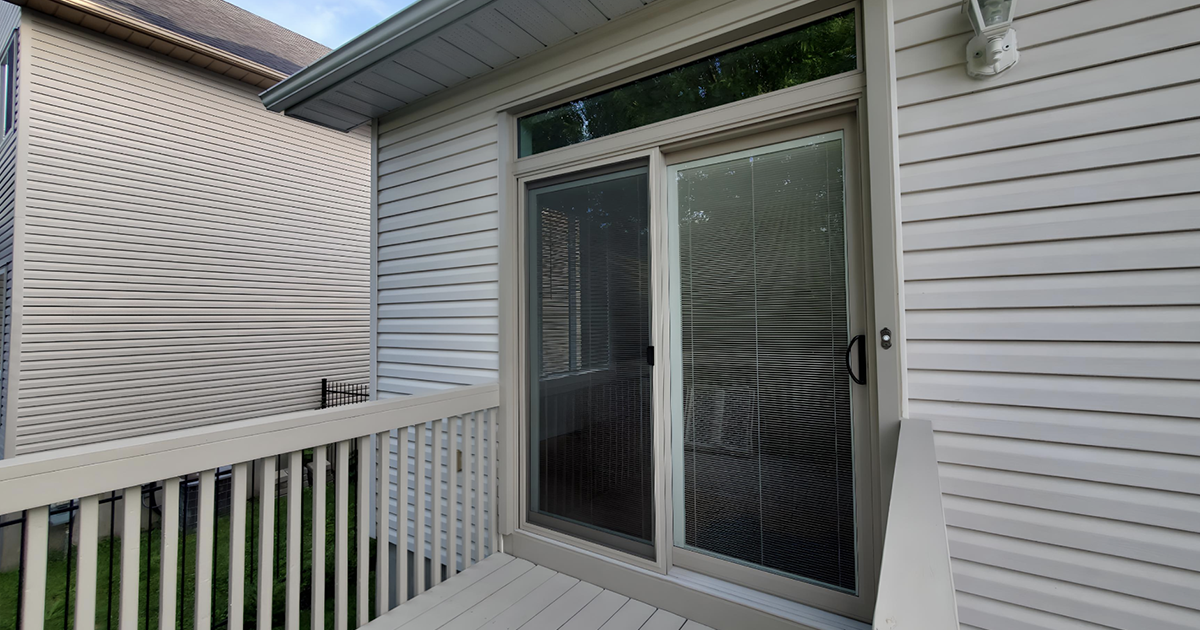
(491, 35)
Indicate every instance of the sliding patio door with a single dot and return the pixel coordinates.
(590, 426)
(762, 432)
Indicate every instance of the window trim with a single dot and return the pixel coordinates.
(766, 29)
(9, 101)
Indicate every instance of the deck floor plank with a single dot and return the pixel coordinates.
(506, 593)
(560, 612)
(532, 604)
(597, 612)
(434, 597)
(500, 601)
(631, 616)
(663, 620)
(455, 605)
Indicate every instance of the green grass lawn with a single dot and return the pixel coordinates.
(60, 604)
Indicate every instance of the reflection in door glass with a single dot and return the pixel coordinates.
(763, 423)
(589, 315)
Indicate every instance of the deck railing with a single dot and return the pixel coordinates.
(421, 471)
(916, 588)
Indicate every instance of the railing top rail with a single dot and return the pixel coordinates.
(46, 478)
(916, 585)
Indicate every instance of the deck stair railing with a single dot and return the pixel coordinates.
(916, 586)
(420, 472)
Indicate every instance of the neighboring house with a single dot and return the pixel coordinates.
(737, 189)
(175, 255)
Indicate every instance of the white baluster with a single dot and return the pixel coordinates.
(363, 529)
(237, 544)
(266, 542)
(419, 512)
(383, 526)
(168, 555)
(318, 540)
(37, 532)
(206, 503)
(341, 612)
(295, 518)
(85, 589)
(131, 535)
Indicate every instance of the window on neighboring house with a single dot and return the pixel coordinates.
(806, 53)
(8, 76)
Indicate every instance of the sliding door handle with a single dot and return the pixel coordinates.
(861, 341)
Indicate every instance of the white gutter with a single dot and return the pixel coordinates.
(405, 28)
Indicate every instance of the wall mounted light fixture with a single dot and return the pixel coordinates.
(994, 47)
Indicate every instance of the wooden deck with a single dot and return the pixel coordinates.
(506, 593)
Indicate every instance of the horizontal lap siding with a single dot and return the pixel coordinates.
(10, 18)
(1052, 264)
(190, 258)
(438, 260)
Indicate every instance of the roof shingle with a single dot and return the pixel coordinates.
(226, 27)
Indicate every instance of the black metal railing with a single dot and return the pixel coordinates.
(338, 393)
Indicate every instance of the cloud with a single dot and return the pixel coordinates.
(331, 22)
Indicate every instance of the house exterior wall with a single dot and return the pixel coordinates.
(1052, 264)
(10, 19)
(186, 256)
(438, 258)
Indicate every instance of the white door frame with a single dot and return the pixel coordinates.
(871, 93)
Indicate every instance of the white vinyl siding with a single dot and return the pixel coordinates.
(438, 293)
(1052, 267)
(189, 257)
(10, 19)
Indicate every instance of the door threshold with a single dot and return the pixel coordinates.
(704, 599)
(766, 602)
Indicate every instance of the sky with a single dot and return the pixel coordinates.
(330, 22)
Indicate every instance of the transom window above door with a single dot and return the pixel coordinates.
(812, 51)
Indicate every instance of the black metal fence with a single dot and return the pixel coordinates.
(338, 393)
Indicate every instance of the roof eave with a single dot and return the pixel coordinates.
(256, 71)
(405, 28)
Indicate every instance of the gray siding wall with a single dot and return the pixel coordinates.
(438, 258)
(1052, 264)
(189, 257)
(10, 19)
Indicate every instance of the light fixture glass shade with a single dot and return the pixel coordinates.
(996, 12)
(990, 16)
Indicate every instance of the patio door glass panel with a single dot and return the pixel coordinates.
(762, 457)
(591, 472)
